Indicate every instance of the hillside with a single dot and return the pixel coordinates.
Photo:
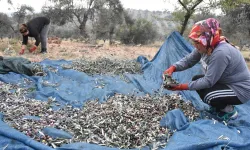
(161, 19)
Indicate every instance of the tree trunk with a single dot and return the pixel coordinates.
(249, 32)
(184, 25)
(82, 28)
(111, 32)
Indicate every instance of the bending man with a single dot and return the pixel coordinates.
(37, 28)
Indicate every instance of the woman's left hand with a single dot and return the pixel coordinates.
(177, 87)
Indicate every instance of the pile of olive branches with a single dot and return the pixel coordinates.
(105, 66)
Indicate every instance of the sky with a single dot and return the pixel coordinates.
(151, 5)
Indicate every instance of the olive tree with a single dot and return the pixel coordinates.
(107, 20)
(5, 25)
(140, 32)
(76, 11)
(236, 20)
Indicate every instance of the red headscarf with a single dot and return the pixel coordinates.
(207, 32)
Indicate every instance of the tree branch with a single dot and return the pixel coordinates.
(183, 5)
(196, 4)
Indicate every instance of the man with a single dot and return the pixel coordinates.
(37, 28)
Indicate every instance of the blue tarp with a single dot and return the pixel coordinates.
(75, 88)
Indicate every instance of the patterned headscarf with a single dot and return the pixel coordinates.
(207, 32)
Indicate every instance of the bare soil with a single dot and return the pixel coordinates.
(72, 50)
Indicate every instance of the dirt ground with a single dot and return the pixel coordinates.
(71, 50)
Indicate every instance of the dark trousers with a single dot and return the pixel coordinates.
(218, 96)
(43, 35)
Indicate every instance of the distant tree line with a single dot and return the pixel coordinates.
(107, 20)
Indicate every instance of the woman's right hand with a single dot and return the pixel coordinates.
(170, 70)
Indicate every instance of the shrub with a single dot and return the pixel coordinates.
(141, 32)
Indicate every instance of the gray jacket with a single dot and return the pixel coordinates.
(225, 65)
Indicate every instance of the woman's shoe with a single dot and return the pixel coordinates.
(225, 116)
(212, 110)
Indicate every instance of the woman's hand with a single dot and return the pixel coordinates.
(177, 87)
(170, 70)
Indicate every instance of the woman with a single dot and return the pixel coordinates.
(37, 28)
(226, 81)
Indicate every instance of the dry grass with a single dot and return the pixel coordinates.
(72, 49)
(246, 55)
(3, 45)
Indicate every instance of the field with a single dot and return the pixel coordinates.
(74, 49)
(109, 133)
(95, 128)
(246, 55)
(71, 50)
